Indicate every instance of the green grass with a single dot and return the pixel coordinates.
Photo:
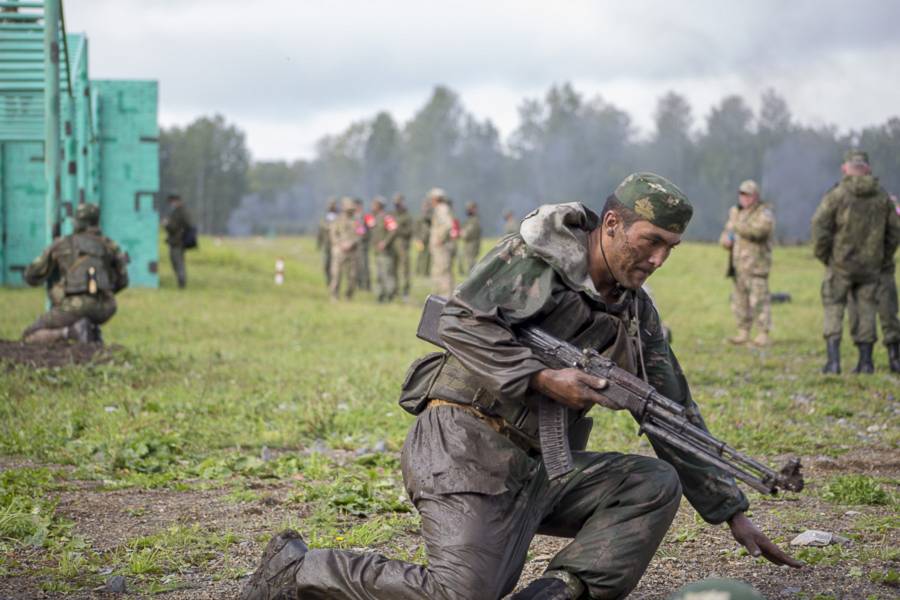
(208, 377)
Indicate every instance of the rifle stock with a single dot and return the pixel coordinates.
(656, 415)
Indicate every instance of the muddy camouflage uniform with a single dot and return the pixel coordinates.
(67, 262)
(385, 230)
(470, 235)
(403, 245)
(471, 461)
(855, 232)
(752, 259)
(344, 241)
(440, 247)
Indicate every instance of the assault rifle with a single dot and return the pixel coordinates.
(656, 415)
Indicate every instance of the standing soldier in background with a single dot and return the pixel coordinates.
(363, 225)
(322, 242)
(886, 301)
(748, 236)
(440, 243)
(423, 234)
(402, 245)
(471, 239)
(510, 225)
(384, 239)
(855, 231)
(87, 270)
(177, 224)
(344, 249)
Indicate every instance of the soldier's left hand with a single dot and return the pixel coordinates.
(757, 544)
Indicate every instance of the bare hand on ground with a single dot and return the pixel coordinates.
(757, 544)
(573, 388)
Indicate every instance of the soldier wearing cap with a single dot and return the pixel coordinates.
(470, 235)
(345, 239)
(177, 226)
(384, 240)
(441, 242)
(471, 462)
(855, 232)
(748, 236)
(87, 270)
(322, 242)
(403, 244)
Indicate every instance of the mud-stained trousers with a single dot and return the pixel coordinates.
(98, 309)
(482, 499)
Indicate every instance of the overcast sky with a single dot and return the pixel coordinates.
(289, 71)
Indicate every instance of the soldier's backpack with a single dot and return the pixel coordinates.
(189, 237)
(88, 271)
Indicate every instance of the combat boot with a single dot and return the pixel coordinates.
(742, 337)
(761, 340)
(275, 578)
(80, 331)
(894, 357)
(554, 585)
(865, 364)
(833, 347)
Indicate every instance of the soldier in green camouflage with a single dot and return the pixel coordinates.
(748, 236)
(323, 244)
(422, 231)
(363, 229)
(470, 235)
(471, 461)
(344, 239)
(176, 225)
(855, 232)
(384, 241)
(87, 270)
(887, 306)
(403, 245)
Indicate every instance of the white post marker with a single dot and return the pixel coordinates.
(279, 271)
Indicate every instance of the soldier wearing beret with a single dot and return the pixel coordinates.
(86, 269)
(471, 461)
(855, 232)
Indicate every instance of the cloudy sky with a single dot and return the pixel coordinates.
(290, 71)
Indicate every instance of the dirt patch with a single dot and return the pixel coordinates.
(53, 355)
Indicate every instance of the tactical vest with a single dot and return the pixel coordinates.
(83, 258)
(612, 331)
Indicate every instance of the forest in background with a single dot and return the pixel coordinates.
(566, 147)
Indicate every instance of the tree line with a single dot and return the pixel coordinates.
(566, 147)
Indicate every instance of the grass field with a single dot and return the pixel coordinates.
(235, 408)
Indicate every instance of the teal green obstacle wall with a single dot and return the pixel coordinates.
(108, 149)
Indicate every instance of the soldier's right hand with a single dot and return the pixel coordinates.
(573, 388)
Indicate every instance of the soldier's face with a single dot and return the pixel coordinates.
(634, 253)
(747, 200)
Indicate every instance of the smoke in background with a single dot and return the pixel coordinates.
(565, 148)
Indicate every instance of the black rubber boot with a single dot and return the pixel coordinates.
(833, 347)
(275, 578)
(894, 357)
(545, 588)
(865, 364)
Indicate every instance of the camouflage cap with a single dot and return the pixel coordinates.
(88, 214)
(471, 205)
(655, 199)
(717, 589)
(347, 204)
(856, 156)
(436, 193)
(378, 202)
(749, 187)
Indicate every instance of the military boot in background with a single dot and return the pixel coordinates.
(742, 337)
(865, 364)
(833, 347)
(894, 357)
(275, 578)
(761, 340)
(554, 585)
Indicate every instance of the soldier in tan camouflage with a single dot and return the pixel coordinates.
(441, 243)
(344, 250)
(323, 244)
(748, 236)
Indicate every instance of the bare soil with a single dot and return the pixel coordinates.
(109, 519)
(58, 354)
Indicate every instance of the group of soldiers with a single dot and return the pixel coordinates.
(347, 234)
(855, 233)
